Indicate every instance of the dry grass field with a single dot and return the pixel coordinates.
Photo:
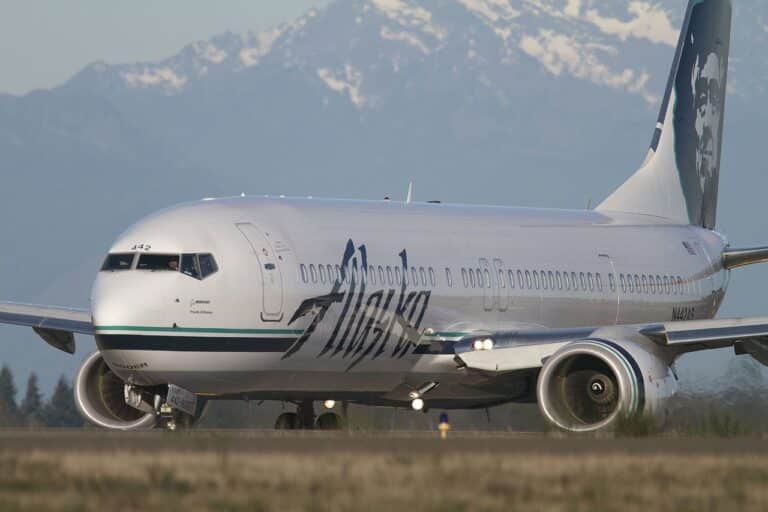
(255, 471)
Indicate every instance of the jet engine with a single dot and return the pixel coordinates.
(588, 384)
(101, 398)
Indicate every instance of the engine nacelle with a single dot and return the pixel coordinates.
(589, 383)
(100, 398)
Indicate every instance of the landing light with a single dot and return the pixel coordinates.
(417, 404)
(329, 404)
(483, 344)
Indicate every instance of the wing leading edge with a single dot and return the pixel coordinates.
(529, 349)
(55, 325)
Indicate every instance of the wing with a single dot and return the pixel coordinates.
(528, 349)
(56, 326)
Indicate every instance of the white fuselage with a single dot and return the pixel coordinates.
(292, 313)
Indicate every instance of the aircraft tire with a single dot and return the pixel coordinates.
(287, 421)
(329, 421)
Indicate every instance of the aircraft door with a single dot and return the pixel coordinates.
(612, 285)
(486, 281)
(269, 272)
(503, 294)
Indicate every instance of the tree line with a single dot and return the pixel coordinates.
(58, 411)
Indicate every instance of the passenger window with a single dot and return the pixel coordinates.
(574, 281)
(551, 279)
(651, 285)
(567, 280)
(313, 273)
(623, 283)
(398, 278)
(372, 275)
(448, 277)
(528, 279)
(544, 279)
(303, 271)
(423, 276)
(645, 283)
(520, 282)
(559, 280)
(487, 276)
(502, 281)
(381, 275)
(472, 277)
(680, 285)
(666, 285)
(464, 277)
(511, 277)
(659, 285)
(612, 282)
(630, 284)
(583, 281)
(414, 276)
(159, 262)
(432, 279)
(637, 284)
(599, 281)
(536, 280)
(321, 270)
(189, 265)
(122, 261)
(591, 280)
(389, 275)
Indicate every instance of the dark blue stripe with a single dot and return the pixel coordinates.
(192, 344)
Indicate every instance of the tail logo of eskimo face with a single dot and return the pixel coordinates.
(700, 90)
(707, 82)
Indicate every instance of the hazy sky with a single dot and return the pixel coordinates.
(44, 42)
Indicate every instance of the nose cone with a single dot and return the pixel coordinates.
(133, 300)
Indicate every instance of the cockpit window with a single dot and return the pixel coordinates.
(189, 265)
(208, 265)
(118, 261)
(198, 266)
(158, 262)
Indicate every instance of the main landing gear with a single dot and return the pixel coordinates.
(305, 419)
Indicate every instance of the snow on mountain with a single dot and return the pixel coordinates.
(583, 39)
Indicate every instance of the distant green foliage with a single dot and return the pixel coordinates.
(9, 410)
(59, 411)
(32, 405)
(637, 424)
(716, 423)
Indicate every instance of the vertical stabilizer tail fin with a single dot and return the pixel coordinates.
(680, 175)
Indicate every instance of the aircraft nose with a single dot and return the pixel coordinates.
(129, 300)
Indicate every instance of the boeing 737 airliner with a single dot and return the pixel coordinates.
(426, 305)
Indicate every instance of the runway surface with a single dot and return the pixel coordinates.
(272, 441)
(267, 470)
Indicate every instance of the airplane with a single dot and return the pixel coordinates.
(426, 305)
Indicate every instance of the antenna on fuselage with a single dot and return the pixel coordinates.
(409, 197)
